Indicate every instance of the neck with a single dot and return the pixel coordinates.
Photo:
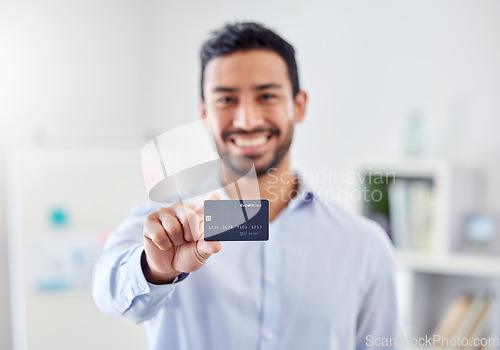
(278, 185)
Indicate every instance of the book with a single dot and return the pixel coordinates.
(452, 318)
(465, 318)
(478, 328)
(419, 214)
(399, 213)
(470, 317)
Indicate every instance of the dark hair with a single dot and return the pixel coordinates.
(247, 36)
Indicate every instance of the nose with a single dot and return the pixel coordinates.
(248, 116)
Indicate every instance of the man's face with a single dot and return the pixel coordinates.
(250, 107)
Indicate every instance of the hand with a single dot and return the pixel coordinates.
(173, 241)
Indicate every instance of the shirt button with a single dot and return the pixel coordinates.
(271, 280)
(269, 335)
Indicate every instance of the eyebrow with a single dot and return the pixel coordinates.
(257, 88)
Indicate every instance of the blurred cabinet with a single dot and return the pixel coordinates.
(447, 284)
(62, 200)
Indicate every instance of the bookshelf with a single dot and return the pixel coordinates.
(424, 206)
(428, 202)
(451, 264)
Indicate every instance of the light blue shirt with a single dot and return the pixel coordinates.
(324, 280)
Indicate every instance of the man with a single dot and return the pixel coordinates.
(325, 278)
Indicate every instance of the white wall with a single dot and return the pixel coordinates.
(367, 65)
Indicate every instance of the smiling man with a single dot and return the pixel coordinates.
(325, 278)
(252, 100)
(252, 105)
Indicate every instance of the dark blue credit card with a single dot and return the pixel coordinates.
(236, 220)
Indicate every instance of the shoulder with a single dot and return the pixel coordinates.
(354, 222)
(336, 222)
(364, 239)
(354, 229)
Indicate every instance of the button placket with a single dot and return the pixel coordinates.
(271, 299)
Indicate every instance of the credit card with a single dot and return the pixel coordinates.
(236, 220)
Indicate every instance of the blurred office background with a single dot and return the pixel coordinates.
(84, 84)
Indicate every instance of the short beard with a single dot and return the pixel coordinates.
(240, 165)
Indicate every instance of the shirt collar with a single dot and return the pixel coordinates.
(304, 193)
(304, 190)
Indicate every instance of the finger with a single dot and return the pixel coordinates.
(201, 228)
(194, 222)
(201, 202)
(189, 221)
(155, 232)
(172, 225)
(193, 206)
(206, 249)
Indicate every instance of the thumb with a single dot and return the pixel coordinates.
(205, 249)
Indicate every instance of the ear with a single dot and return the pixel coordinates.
(202, 109)
(300, 106)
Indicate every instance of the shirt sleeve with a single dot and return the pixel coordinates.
(378, 319)
(119, 287)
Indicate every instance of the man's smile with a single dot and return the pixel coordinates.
(250, 143)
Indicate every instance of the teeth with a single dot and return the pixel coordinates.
(242, 142)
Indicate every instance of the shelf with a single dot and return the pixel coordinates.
(454, 264)
(422, 203)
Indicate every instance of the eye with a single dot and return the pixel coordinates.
(225, 100)
(268, 97)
